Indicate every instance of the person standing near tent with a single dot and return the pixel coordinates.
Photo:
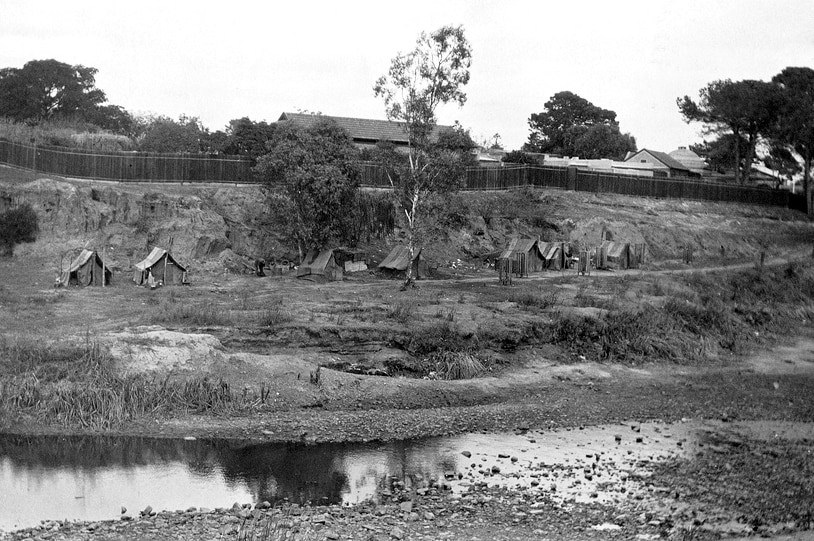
(150, 280)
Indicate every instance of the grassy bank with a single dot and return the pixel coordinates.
(445, 330)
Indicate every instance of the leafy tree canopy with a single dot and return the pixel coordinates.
(743, 108)
(51, 90)
(518, 156)
(795, 128)
(245, 137)
(570, 125)
(312, 176)
(163, 134)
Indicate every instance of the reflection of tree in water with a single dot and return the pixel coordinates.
(105, 451)
(298, 473)
(318, 474)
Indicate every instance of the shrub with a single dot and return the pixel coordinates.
(16, 226)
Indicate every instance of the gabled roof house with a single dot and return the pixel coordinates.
(364, 132)
(660, 162)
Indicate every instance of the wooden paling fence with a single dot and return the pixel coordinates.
(154, 167)
(126, 166)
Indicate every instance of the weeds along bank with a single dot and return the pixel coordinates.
(441, 331)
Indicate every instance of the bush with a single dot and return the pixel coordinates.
(16, 226)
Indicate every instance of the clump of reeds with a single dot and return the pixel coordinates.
(274, 527)
(456, 365)
(402, 311)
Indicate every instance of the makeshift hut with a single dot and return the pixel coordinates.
(164, 268)
(524, 255)
(87, 269)
(613, 255)
(553, 254)
(398, 260)
(320, 264)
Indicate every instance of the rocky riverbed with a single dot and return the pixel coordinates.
(684, 480)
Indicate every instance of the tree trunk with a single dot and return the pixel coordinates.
(747, 160)
(807, 181)
(736, 133)
(411, 216)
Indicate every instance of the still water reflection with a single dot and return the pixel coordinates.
(91, 478)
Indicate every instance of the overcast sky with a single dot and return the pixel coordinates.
(226, 60)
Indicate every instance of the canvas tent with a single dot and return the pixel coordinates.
(613, 255)
(320, 264)
(163, 266)
(553, 254)
(398, 260)
(86, 270)
(524, 255)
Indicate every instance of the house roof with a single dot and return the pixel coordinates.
(361, 130)
(663, 157)
(398, 258)
(154, 257)
(688, 158)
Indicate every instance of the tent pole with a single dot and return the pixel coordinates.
(104, 254)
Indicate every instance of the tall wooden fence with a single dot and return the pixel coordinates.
(126, 166)
(153, 167)
(565, 178)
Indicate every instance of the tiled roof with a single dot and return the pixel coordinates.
(689, 158)
(663, 157)
(361, 130)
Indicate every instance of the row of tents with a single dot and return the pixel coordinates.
(332, 264)
(532, 255)
(89, 269)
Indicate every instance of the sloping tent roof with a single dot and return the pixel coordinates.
(156, 255)
(617, 253)
(361, 130)
(317, 263)
(81, 261)
(398, 258)
(552, 253)
(518, 246)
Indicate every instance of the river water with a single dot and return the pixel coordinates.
(93, 478)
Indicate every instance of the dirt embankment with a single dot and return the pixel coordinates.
(210, 224)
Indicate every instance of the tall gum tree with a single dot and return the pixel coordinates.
(747, 109)
(417, 83)
(796, 125)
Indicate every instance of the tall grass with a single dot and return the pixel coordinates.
(65, 134)
(75, 386)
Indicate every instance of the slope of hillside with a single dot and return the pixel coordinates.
(210, 223)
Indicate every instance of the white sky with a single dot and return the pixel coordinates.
(226, 60)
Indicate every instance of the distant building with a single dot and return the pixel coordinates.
(663, 164)
(690, 160)
(364, 132)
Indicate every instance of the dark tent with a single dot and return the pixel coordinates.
(613, 255)
(86, 270)
(165, 269)
(398, 260)
(320, 264)
(553, 254)
(524, 255)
